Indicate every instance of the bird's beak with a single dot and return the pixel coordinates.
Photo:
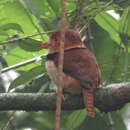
(45, 45)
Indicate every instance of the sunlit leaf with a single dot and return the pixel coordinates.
(124, 26)
(108, 23)
(13, 12)
(48, 16)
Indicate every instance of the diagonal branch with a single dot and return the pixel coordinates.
(22, 38)
(36, 59)
(109, 98)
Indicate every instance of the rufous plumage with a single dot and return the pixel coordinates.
(81, 73)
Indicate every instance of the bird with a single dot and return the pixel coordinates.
(81, 73)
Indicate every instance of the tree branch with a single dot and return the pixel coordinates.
(22, 38)
(109, 98)
(102, 8)
(36, 59)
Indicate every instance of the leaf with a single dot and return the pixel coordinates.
(46, 15)
(118, 121)
(48, 120)
(108, 23)
(96, 123)
(30, 44)
(3, 33)
(47, 24)
(75, 119)
(124, 26)
(36, 7)
(110, 56)
(27, 76)
(19, 55)
(13, 12)
(13, 26)
(122, 3)
(55, 5)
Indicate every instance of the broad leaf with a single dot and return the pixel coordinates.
(108, 23)
(118, 121)
(110, 56)
(96, 123)
(75, 119)
(27, 76)
(55, 5)
(13, 26)
(19, 55)
(47, 24)
(124, 26)
(30, 44)
(13, 12)
(48, 16)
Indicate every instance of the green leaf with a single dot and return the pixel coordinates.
(18, 55)
(118, 121)
(13, 26)
(3, 33)
(122, 3)
(55, 5)
(30, 45)
(96, 123)
(13, 12)
(47, 24)
(110, 56)
(108, 23)
(37, 7)
(46, 12)
(124, 26)
(27, 76)
(75, 119)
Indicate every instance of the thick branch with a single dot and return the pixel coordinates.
(109, 98)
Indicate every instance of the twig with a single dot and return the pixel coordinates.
(76, 17)
(111, 122)
(9, 121)
(92, 16)
(22, 38)
(21, 64)
(60, 67)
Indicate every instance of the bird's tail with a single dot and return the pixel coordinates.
(89, 101)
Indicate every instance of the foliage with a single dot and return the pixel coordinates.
(110, 44)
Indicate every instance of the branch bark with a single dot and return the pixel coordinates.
(108, 98)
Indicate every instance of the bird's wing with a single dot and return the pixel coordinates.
(81, 64)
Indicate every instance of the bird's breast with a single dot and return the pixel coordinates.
(69, 83)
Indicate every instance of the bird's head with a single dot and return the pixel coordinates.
(72, 40)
